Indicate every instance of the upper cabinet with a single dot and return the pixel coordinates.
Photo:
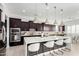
(38, 27)
(31, 26)
(34, 26)
(15, 23)
(24, 26)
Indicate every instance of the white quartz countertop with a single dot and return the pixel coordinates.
(42, 39)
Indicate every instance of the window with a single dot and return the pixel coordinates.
(68, 29)
(77, 28)
(73, 28)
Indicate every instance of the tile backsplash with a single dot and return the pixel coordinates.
(28, 33)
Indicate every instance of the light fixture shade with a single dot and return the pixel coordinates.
(46, 4)
(61, 23)
(46, 21)
(55, 7)
(55, 22)
(35, 18)
(47, 8)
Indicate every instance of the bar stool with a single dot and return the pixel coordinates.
(49, 44)
(76, 39)
(34, 47)
(58, 43)
(67, 40)
(68, 43)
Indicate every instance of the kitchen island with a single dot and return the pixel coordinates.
(30, 40)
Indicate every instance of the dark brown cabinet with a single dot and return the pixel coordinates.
(15, 23)
(27, 26)
(35, 26)
(63, 28)
(31, 25)
(24, 26)
(38, 27)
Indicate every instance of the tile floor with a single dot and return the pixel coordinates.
(16, 51)
(74, 50)
(20, 51)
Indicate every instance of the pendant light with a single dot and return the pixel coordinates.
(46, 12)
(46, 5)
(61, 23)
(35, 17)
(35, 14)
(55, 22)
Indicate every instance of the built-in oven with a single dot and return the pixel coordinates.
(15, 37)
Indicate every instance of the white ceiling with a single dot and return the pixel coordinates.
(70, 10)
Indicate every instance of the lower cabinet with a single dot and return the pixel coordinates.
(17, 43)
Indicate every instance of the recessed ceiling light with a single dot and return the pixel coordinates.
(23, 11)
